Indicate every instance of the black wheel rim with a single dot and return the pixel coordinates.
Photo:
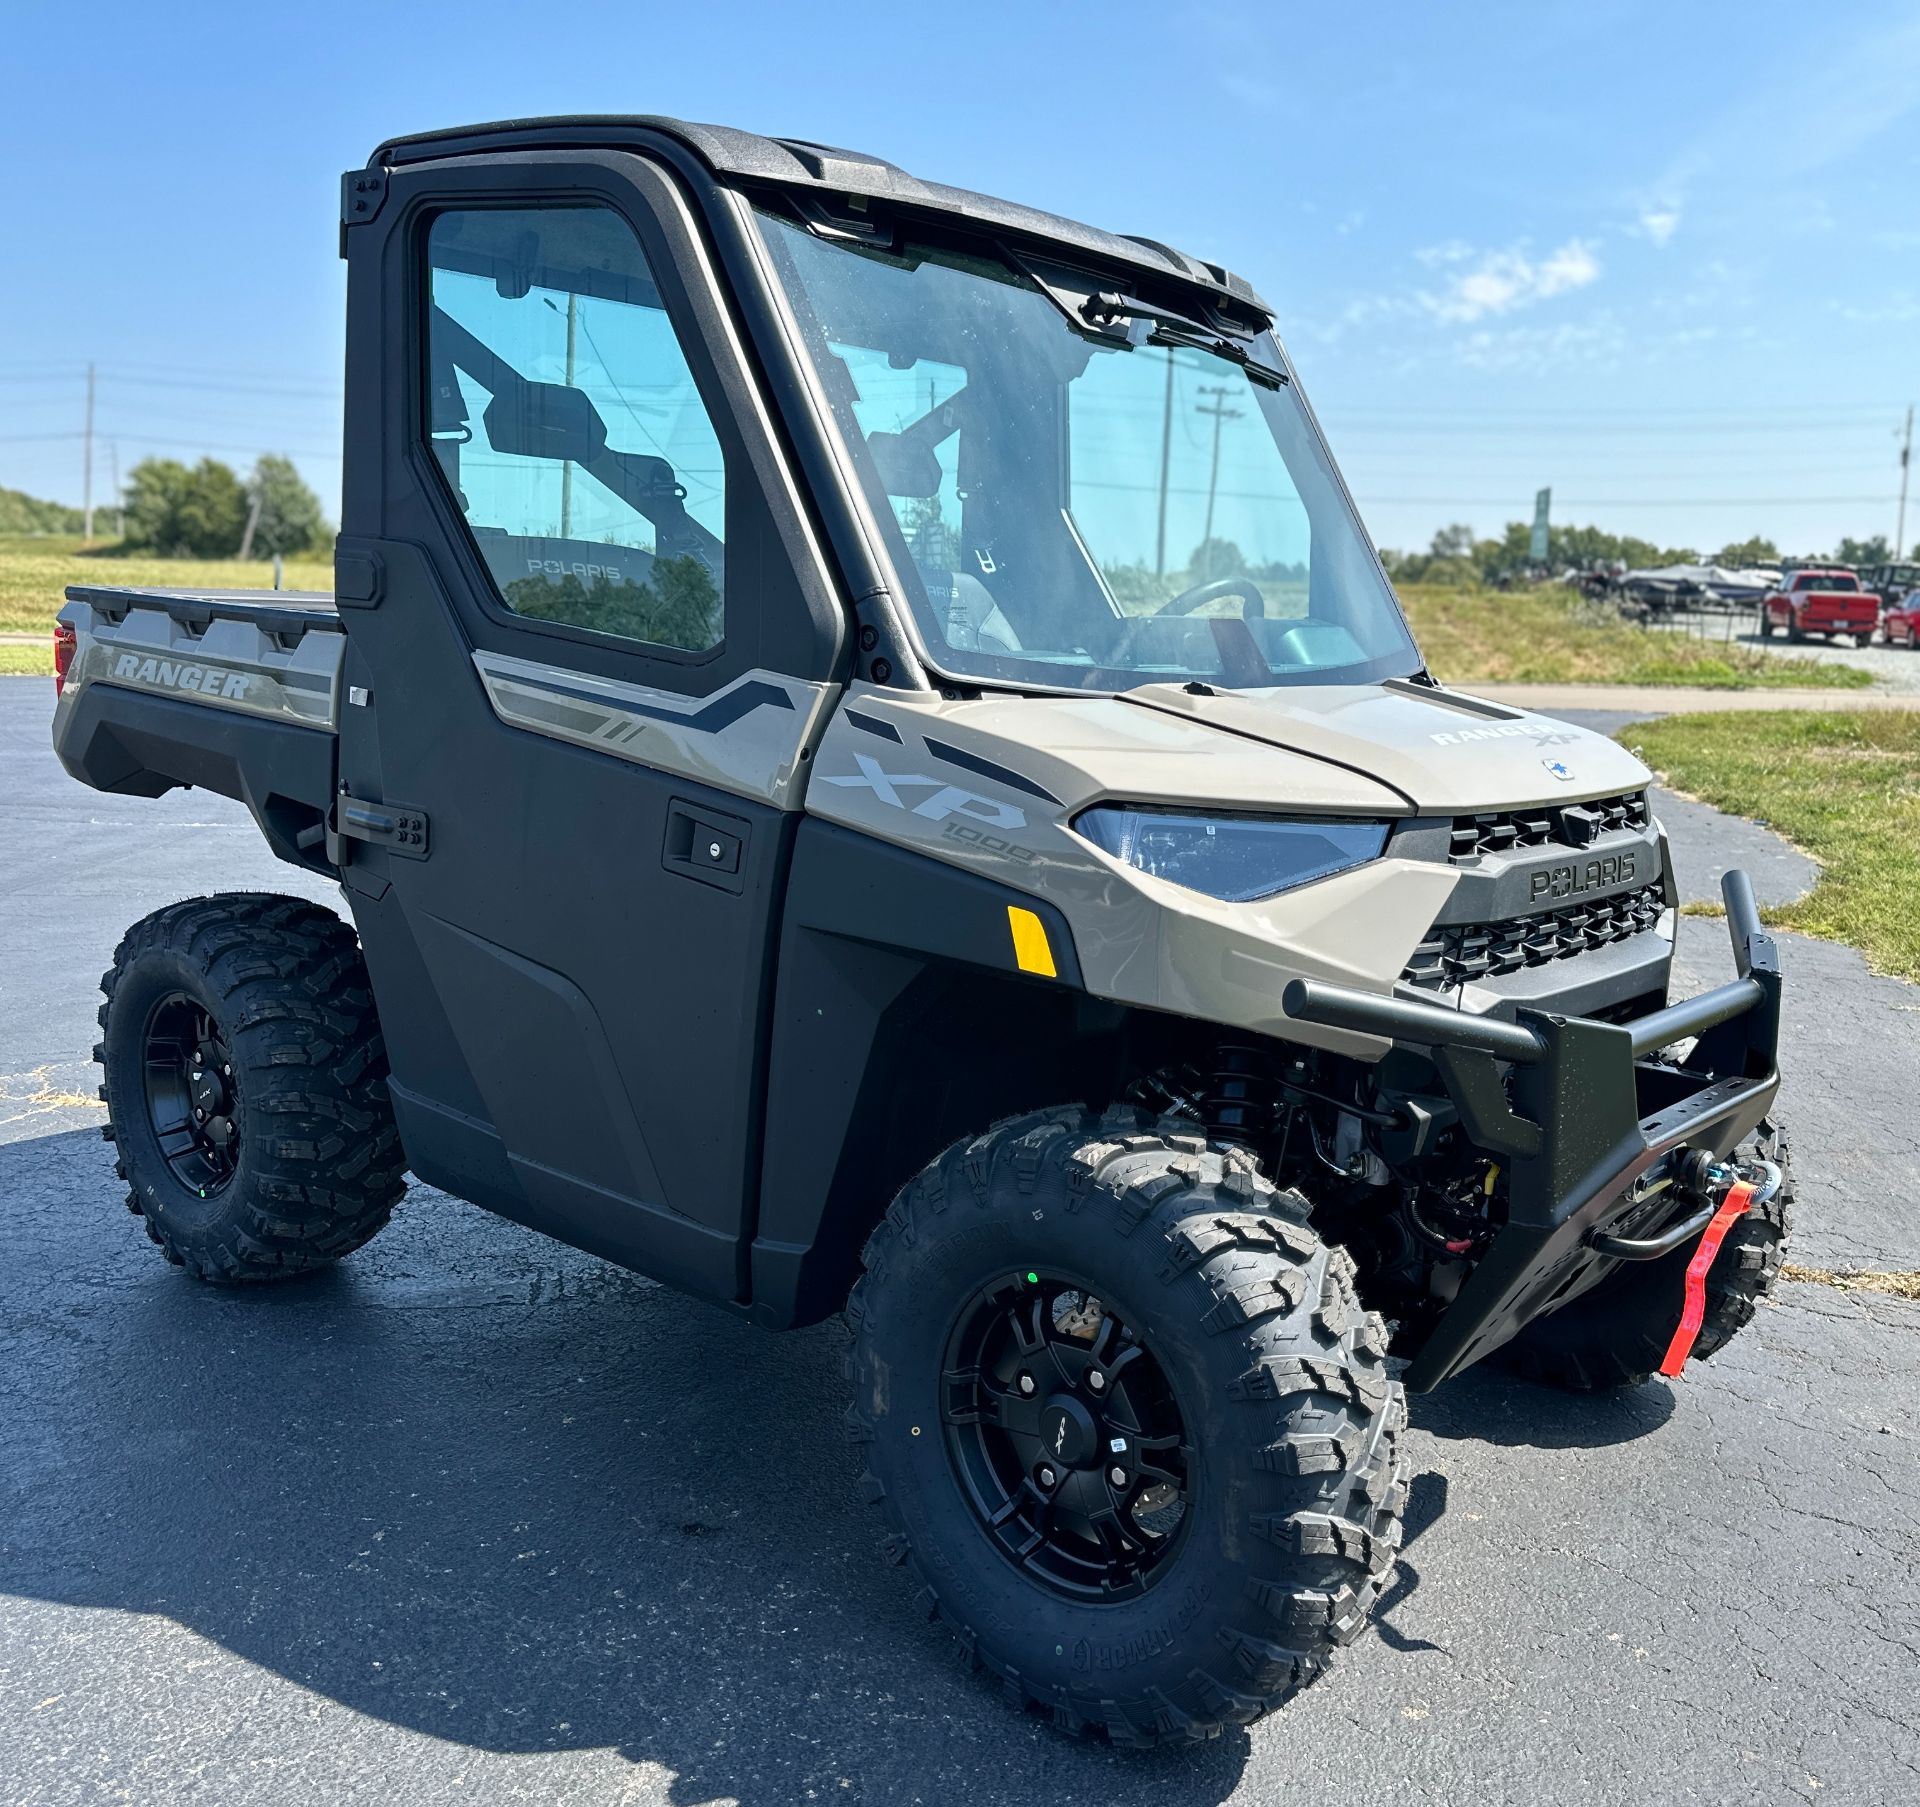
(191, 1100)
(1066, 1437)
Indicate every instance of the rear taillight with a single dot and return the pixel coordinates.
(65, 641)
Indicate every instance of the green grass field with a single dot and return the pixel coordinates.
(35, 572)
(1473, 636)
(1846, 787)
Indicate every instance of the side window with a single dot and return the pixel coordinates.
(562, 410)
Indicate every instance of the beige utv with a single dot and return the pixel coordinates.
(873, 769)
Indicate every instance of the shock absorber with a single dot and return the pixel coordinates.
(1240, 1099)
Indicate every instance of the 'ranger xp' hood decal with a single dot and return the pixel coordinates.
(1444, 756)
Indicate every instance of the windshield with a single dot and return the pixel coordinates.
(1836, 580)
(1071, 508)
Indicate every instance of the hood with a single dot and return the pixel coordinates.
(1079, 750)
(1445, 753)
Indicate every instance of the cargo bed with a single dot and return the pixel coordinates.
(278, 609)
(235, 691)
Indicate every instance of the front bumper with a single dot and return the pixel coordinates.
(1601, 1141)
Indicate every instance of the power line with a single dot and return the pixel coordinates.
(216, 445)
(313, 391)
(1509, 501)
(206, 385)
(1523, 467)
(1773, 411)
(1341, 429)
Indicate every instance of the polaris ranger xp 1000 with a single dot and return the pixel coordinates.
(874, 769)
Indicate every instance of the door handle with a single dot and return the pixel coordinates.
(706, 845)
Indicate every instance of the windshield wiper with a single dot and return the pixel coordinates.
(1106, 313)
(1166, 332)
(1168, 328)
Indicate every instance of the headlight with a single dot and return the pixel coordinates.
(1236, 858)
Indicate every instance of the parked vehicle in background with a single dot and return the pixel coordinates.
(1670, 589)
(1900, 621)
(1892, 583)
(1820, 601)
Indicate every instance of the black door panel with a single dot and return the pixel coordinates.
(575, 985)
(607, 1008)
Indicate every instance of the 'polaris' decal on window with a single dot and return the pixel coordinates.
(556, 567)
(947, 799)
(172, 674)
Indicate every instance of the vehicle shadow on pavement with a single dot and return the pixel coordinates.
(478, 1486)
(1489, 1405)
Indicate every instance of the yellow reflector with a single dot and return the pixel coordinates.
(1030, 951)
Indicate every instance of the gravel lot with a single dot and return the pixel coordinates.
(1897, 667)
(475, 1518)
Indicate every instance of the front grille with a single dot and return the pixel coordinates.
(1463, 953)
(1562, 824)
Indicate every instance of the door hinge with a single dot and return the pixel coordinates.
(362, 194)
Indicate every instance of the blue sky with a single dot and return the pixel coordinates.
(1663, 257)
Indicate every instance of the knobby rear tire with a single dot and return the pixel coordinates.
(319, 1166)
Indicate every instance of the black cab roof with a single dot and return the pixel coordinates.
(798, 165)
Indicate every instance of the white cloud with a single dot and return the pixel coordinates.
(1500, 281)
(1896, 307)
(1660, 222)
(1537, 349)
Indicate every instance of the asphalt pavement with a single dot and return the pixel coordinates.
(475, 1518)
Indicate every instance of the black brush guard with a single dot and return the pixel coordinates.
(1606, 1150)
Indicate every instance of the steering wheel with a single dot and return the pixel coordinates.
(1244, 587)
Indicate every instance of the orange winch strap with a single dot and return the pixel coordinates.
(1739, 1196)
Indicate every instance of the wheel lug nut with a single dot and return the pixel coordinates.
(1046, 1477)
(1028, 1384)
(1117, 1475)
(1097, 1381)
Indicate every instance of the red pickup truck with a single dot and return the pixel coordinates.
(1820, 602)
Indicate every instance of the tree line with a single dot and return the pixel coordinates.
(207, 511)
(1457, 556)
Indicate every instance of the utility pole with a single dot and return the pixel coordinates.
(1906, 459)
(1166, 453)
(119, 501)
(252, 526)
(566, 470)
(86, 490)
(1221, 415)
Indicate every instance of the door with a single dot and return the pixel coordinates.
(590, 649)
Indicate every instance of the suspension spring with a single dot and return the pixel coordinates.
(1240, 1100)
